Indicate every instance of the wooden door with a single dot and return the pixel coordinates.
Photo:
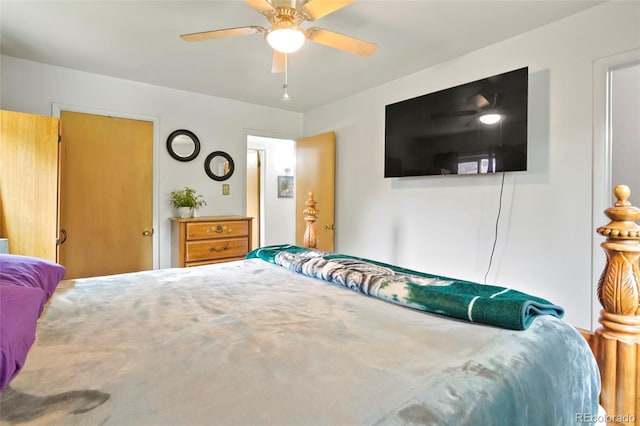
(253, 194)
(29, 183)
(106, 194)
(315, 172)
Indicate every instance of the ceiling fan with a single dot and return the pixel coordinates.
(487, 104)
(285, 34)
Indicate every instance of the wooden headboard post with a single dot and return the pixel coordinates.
(310, 238)
(616, 344)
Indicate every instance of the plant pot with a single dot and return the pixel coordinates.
(184, 211)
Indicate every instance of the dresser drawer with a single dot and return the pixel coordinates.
(216, 249)
(208, 230)
(212, 239)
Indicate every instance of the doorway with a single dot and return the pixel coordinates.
(269, 159)
(615, 156)
(106, 194)
(625, 127)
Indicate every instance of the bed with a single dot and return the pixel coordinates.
(285, 337)
(26, 283)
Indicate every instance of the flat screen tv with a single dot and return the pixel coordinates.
(477, 127)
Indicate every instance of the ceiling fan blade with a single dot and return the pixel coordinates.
(316, 9)
(262, 6)
(341, 41)
(452, 114)
(227, 32)
(479, 101)
(278, 62)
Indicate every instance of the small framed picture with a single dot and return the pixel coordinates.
(285, 187)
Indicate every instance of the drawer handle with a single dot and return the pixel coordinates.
(223, 248)
(219, 229)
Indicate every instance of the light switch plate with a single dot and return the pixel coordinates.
(225, 189)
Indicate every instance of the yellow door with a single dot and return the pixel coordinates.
(253, 194)
(315, 172)
(106, 193)
(29, 183)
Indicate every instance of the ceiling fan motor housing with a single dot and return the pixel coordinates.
(285, 34)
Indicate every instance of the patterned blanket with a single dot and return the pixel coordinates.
(465, 300)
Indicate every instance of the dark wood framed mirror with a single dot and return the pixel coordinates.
(183, 145)
(219, 165)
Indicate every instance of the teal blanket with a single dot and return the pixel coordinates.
(465, 300)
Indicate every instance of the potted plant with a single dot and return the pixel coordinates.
(198, 202)
(187, 201)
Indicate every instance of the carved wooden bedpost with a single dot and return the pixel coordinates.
(310, 238)
(617, 342)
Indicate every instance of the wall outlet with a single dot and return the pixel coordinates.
(225, 189)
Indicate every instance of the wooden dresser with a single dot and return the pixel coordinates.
(204, 240)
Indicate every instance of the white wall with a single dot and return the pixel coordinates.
(220, 124)
(279, 213)
(445, 225)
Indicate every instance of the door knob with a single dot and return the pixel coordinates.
(64, 237)
(147, 233)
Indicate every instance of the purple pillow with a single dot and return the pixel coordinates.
(27, 271)
(20, 308)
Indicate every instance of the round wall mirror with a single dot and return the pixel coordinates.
(183, 145)
(219, 165)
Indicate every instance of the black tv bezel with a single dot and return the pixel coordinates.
(520, 112)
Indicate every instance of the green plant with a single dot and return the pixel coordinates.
(186, 197)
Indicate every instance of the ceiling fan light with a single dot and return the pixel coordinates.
(286, 37)
(490, 118)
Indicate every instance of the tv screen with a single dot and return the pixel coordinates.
(477, 127)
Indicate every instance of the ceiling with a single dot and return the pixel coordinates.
(138, 40)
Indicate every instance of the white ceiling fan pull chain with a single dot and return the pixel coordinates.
(285, 96)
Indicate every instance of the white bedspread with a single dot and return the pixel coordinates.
(248, 342)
